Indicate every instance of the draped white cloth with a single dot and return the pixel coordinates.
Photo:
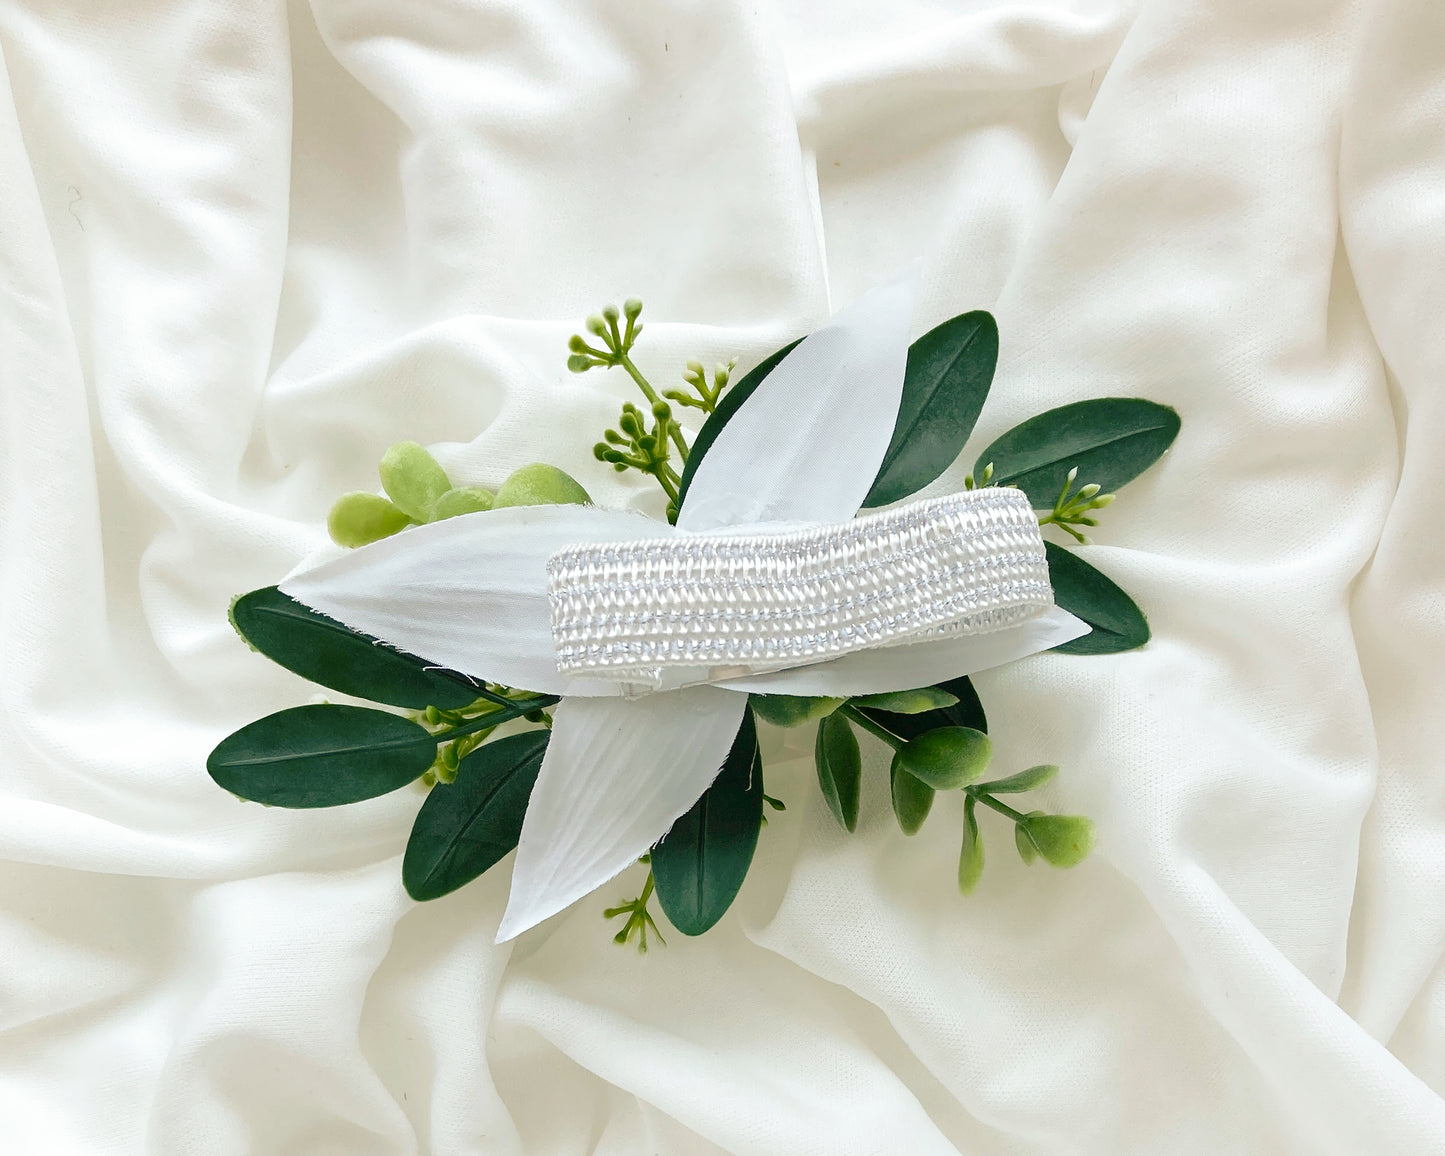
(243, 248)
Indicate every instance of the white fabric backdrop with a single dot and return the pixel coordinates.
(244, 248)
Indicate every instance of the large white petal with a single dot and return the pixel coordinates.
(807, 444)
(618, 773)
(469, 593)
(918, 663)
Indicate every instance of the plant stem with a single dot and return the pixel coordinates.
(1001, 808)
(517, 709)
(651, 394)
(870, 726)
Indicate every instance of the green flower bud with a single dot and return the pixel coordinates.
(359, 519)
(599, 451)
(694, 368)
(1088, 491)
(633, 308)
(579, 363)
(539, 484)
(462, 500)
(577, 343)
(609, 314)
(413, 479)
(596, 325)
(1060, 840)
(661, 409)
(1103, 500)
(945, 758)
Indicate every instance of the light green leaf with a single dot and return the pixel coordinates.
(359, 519)
(466, 826)
(967, 712)
(789, 710)
(1061, 840)
(944, 386)
(970, 856)
(462, 500)
(912, 799)
(321, 756)
(335, 656)
(918, 701)
(413, 479)
(1112, 440)
(1027, 851)
(1023, 781)
(947, 758)
(840, 768)
(702, 861)
(539, 484)
(1118, 624)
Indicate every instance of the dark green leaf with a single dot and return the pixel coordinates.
(790, 710)
(840, 768)
(966, 712)
(1112, 440)
(732, 400)
(944, 387)
(323, 650)
(702, 861)
(912, 800)
(925, 698)
(321, 756)
(970, 856)
(466, 826)
(947, 758)
(1023, 781)
(1082, 590)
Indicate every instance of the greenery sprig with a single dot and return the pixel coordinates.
(459, 738)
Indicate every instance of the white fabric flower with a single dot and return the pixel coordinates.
(470, 593)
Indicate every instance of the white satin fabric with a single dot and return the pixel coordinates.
(245, 248)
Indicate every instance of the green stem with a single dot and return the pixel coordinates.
(651, 394)
(1001, 808)
(497, 717)
(870, 726)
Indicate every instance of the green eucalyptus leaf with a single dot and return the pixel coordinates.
(791, 710)
(1023, 781)
(731, 402)
(700, 864)
(944, 386)
(462, 500)
(539, 484)
(321, 756)
(1060, 840)
(1118, 624)
(970, 856)
(912, 799)
(947, 758)
(360, 519)
(467, 825)
(1112, 440)
(925, 698)
(840, 768)
(413, 479)
(335, 656)
(966, 712)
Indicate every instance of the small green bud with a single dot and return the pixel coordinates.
(539, 484)
(461, 500)
(1103, 500)
(1088, 491)
(945, 758)
(599, 451)
(579, 363)
(660, 410)
(412, 479)
(596, 325)
(632, 307)
(432, 715)
(360, 519)
(577, 343)
(647, 443)
(1060, 840)
(694, 368)
(449, 757)
(988, 473)
(620, 467)
(609, 314)
(429, 779)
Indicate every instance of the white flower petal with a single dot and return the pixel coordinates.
(807, 444)
(470, 593)
(618, 773)
(918, 663)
